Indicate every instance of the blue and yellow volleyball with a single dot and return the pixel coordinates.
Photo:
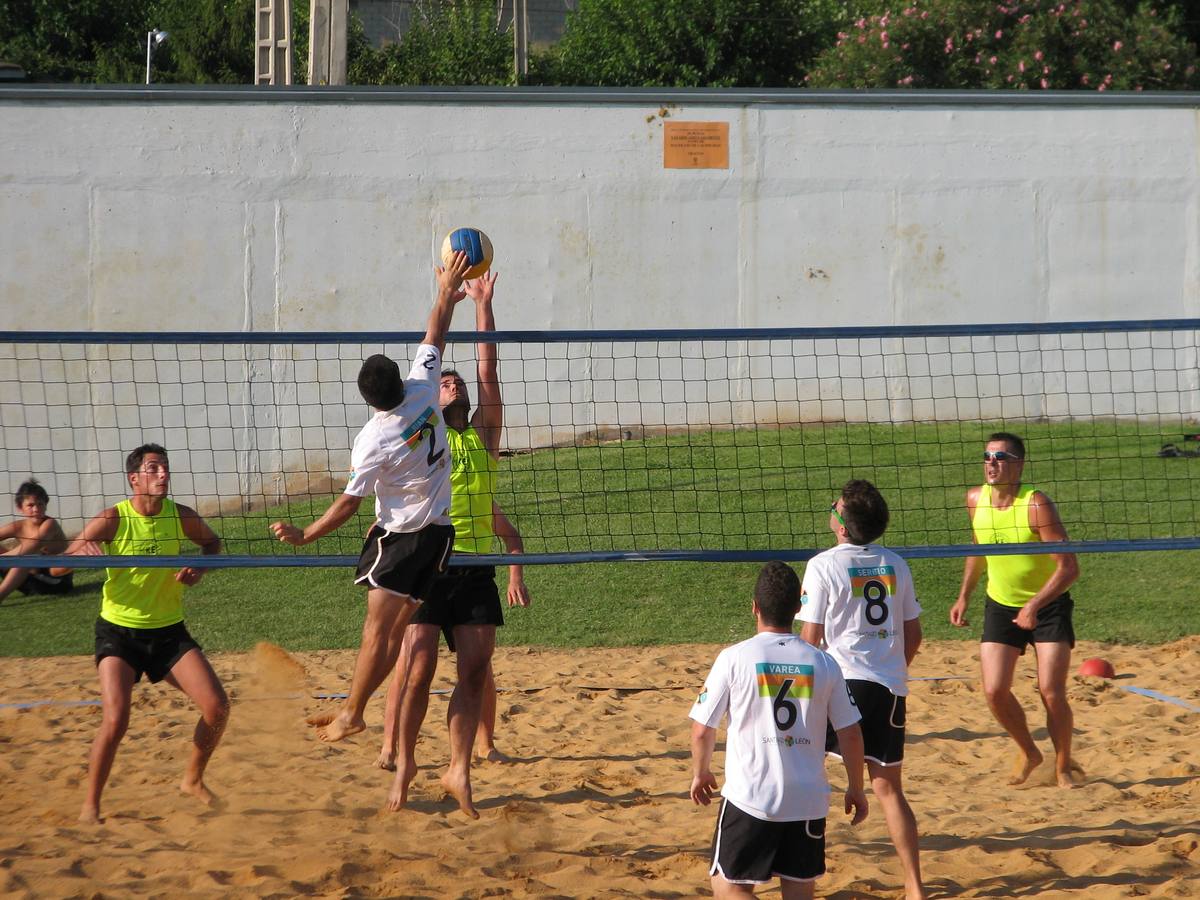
(472, 242)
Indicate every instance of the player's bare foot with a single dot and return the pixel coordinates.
(340, 726)
(459, 787)
(493, 755)
(321, 718)
(198, 790)
(89, 815)
(386, 761)
(1072, 777)
(1024, 768)
(398, 795)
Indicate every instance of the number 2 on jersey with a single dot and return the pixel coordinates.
(434, 453)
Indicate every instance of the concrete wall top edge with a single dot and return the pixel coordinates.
(165, 93)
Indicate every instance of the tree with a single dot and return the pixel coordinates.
(690, 43)
(1013, 44)
(75, 40)
(448, 42)
(211, 41)
(104, 41)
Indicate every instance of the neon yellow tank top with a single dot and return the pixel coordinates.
(142, 597)
(1012, 580)
(472, 484)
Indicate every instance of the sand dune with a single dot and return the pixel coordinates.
(594, 803)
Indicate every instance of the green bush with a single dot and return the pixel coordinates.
(1018, 44)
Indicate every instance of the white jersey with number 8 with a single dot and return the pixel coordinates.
(863, 595)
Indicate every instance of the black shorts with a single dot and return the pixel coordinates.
(405, 562)
(749, 850)
(149, 651)
(40, 582)
(1053, 624)
(882, 723)
(464, 595)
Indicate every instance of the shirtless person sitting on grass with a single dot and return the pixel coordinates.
(34, 532)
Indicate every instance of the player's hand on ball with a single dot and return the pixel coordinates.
(481, 289)
(450, 278)
(288, 533)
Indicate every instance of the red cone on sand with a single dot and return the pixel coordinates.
(1097, 667)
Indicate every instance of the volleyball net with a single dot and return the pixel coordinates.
(622, 445)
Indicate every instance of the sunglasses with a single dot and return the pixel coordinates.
(833, 509)
(999, 455)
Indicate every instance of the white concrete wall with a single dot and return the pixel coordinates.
(265, 216)
(230, 215)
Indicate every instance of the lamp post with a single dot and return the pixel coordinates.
(153, 39)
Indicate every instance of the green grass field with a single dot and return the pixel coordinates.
(1123, 598)
(731, 490)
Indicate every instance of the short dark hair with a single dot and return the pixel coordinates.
(31, 488)
(453, 372)
(777, 594)
(133, 461)
(380, 383)
(1014, 443)
(864, 511)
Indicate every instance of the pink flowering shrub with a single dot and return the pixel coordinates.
(1012, 44)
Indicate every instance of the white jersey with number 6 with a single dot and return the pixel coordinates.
(778, 691)
(401, 454)
(863, 595)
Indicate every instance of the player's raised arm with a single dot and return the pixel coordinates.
(449, 292)
(488, 419)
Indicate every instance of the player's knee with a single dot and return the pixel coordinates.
(473, 670)
(884, 789)
(1053, 695)
(996, 694)
(216, 711)
(114, 725)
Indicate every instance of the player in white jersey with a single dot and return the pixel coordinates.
(401, 456)
(859, 600)
(779, 694)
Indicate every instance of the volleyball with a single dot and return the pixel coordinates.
(472, 242)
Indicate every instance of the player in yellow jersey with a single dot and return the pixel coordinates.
(1027, 603)
(464, 602)
(140, 629)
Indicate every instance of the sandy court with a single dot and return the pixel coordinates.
(594, 803)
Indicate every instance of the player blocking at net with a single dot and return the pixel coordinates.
(401, 456)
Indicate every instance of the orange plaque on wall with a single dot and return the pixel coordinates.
(695, 145)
